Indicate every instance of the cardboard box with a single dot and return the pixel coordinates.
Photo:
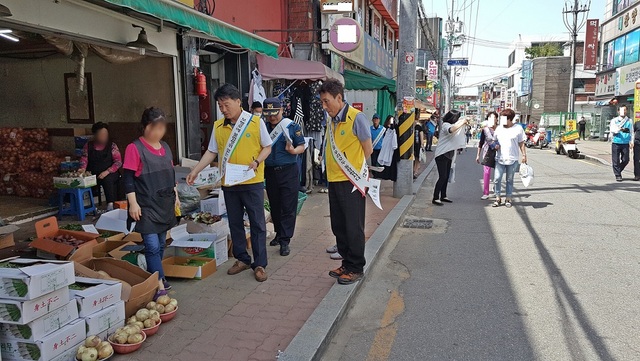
(193, 244)
(176, 267)
(220, 228)
(138, 287)
(22, 312)
(100, 294)
(75, 182)
(47, 248)
(70, 354)
(106, 319)
(42, 326)
(115, 221)
(214, 205)
(31, 278)
(111, 249)
(6, 236)
(46, 348)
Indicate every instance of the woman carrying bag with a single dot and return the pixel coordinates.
(487, 152)
(451, 137)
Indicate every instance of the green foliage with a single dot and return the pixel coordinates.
(544, 50)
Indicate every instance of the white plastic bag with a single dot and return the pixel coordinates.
(526, 175)
(423, 156)
(452, 174)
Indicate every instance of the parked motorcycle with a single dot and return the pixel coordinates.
(566, 144)
(537, 139)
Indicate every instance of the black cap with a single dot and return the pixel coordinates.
(271, 106)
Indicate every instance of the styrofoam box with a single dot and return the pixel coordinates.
(22, 312)
(102, 294)
(42, 326)
(48, 347)
(105, 319)
(34, 277)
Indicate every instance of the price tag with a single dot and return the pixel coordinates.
(90, 228)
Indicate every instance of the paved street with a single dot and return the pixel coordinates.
(554, 278)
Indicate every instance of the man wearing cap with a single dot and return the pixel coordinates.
(377, 134)
(281, 172)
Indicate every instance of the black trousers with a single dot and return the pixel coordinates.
(444, 169)
(250, 199)
(582, 133)
(282, 190)
(619, 157)
(636, 159)
(374, 157)
(110, 186)
(347, 210)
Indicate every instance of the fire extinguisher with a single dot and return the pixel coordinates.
(201, 83)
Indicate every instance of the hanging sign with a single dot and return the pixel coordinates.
(336, 6)
(345, 35)
(408, 104)
(636, 103)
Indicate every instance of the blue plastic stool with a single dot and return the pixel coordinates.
(76, 202)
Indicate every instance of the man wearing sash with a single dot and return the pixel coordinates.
(377, 134)
(348, 144)
(246, 142)
(281, 172)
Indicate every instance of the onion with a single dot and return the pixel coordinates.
(160, 308)
(131, 320)
(136, 338)
(163, 300)
(174, 302)
(90, 354)
(120, 338)
(169, 308)
(92, 341)
(105, 351)
(142, 314)
(140, 324)
(151, 305)
(148, 323)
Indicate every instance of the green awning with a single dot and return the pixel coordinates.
(358, 81)
(182, 15)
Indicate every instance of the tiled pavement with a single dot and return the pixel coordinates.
(236, 318)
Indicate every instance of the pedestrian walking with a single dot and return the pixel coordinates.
(582, 129)
(102, 158)
(467, 133)
(377, 136)
(150, 186)
(431, 125)
(635, 145)
(348, 144)
(256, 109)
(450, 138)
(243, 141)
(510, 139)
(418, 143)
(620, 127)
(486, 152)
(281, 172)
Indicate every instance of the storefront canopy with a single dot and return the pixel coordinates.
(295, 69)
(359, 81)
(182, 15)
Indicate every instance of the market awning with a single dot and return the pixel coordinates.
(182, 15)
(295, 69)
(359, 81)
(382, 9)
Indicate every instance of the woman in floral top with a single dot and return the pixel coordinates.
(102, 157)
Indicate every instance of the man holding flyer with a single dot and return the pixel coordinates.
(281, 172)
(347, 146)
(247, 144)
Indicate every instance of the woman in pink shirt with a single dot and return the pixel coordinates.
(102, 157)
(150, 186)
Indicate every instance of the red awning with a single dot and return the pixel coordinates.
(385, 14)
(294, 69)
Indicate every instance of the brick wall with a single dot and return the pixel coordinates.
(300, 17)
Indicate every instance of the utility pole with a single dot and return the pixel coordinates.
(575, 15)
(406, 88)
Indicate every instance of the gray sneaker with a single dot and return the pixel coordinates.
(332, 249)
(336, 256)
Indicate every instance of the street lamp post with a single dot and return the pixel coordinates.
(573, 10)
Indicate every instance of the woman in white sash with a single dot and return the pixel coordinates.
(450, 138)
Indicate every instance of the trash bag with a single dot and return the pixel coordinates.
(189, 198)
(526, 175)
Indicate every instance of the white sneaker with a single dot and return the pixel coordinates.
(485, 196)
(333, 249)
(336, 256)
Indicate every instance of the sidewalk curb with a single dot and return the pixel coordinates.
(314, 336)
(596, 159)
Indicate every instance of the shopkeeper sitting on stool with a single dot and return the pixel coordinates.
(102, 158)
(281, 172)
(242, 142)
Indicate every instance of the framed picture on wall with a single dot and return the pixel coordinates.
(79, 101)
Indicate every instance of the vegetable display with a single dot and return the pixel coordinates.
(67, 239)
(94, 349)
(127, 335)
(204, 218)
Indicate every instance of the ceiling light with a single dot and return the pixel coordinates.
(142, 42)
(9, 37)
(4, 11)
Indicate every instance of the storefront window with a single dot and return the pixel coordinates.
(632, 43)
(377, 26)
(618, 52)
(608, 55)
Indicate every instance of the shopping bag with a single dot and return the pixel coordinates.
(423, 156)
(452, 174)
(526, 175)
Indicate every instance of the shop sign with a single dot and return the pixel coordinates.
(626, 22)
(527, 72)
(503, 94)
(345, 35)
(627, 76)
(432, 70)
(606, 84)
(591, 45)
(336, 6)
(377, 58)
(359, 106)
(636, 103)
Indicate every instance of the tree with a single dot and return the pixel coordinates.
(544, 50)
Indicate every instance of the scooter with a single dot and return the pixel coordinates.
(540, 139)
(566, 144)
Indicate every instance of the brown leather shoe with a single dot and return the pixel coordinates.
(238, 267)
(349, 278)
(260, 274)
(336, 273)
